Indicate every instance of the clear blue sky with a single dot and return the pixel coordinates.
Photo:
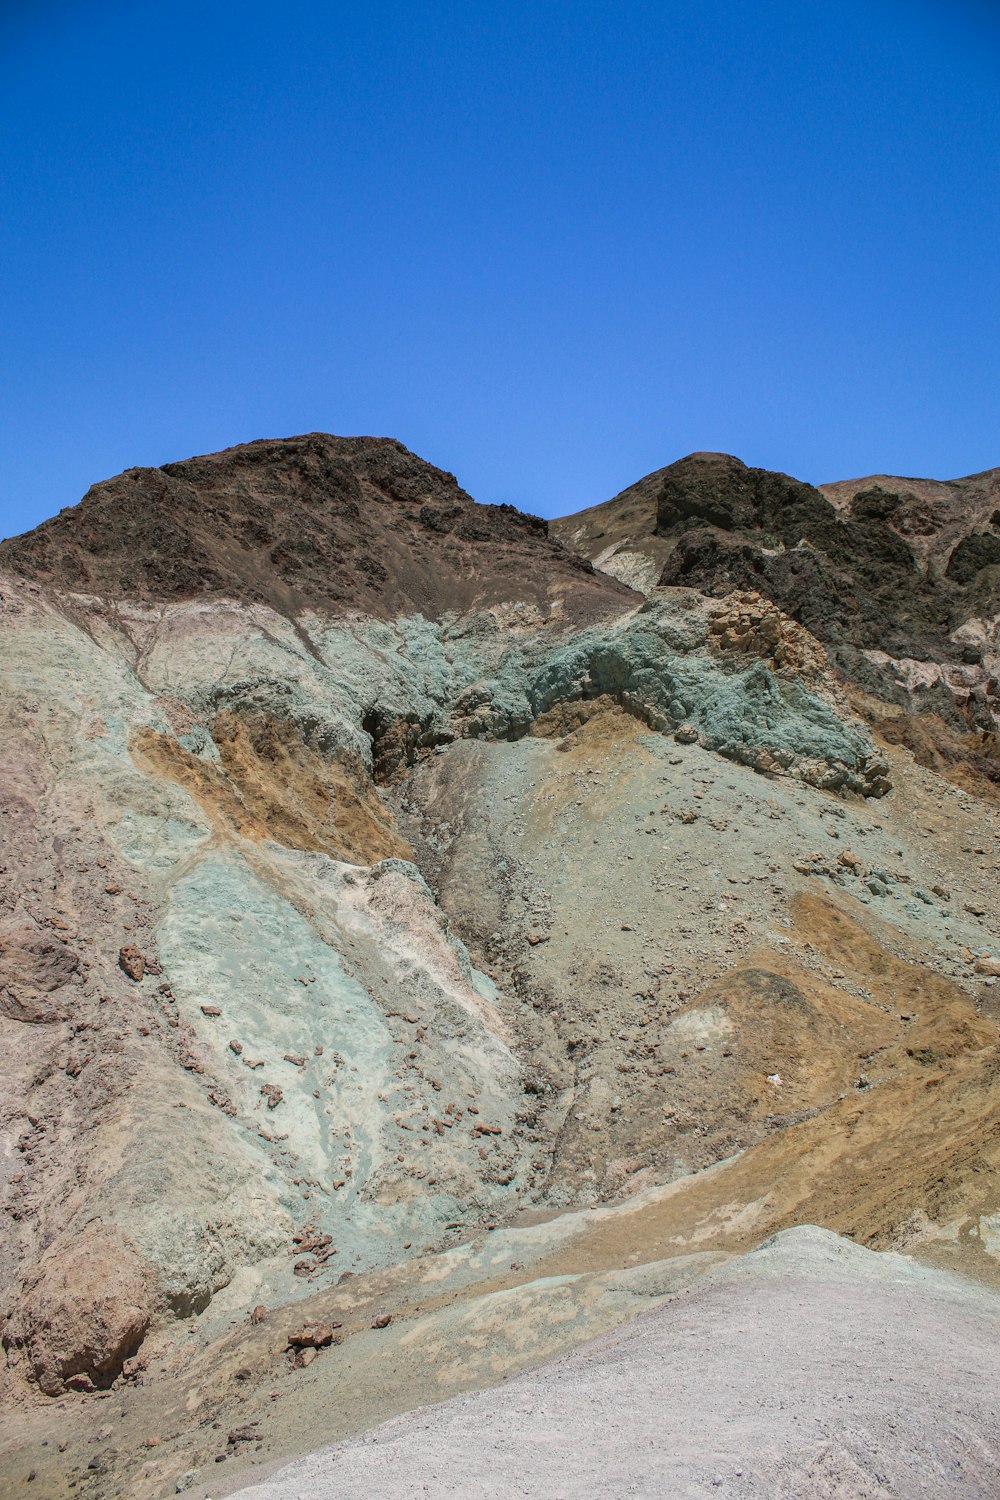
(550, 246)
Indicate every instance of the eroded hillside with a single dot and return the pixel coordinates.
(408, 929)
(899, 578)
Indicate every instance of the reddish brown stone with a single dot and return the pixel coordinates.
(132, 962)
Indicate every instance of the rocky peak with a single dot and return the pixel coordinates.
(719, 490)
(312, 522)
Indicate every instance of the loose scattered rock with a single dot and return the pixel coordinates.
(132, 962)
(312, 1336)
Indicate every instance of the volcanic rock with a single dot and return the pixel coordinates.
(525, 885)
(310, 522)
(132, 962)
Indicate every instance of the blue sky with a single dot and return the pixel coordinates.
(550, 246)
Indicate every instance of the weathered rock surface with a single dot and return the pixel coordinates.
(423, 930)
(36, 965)
(899, 578)
(310, 522)
(85, 1311)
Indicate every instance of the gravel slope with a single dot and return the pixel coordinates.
(809, 1368)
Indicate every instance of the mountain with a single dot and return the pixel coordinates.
(899, 578)
(422, 952)
(312, 522)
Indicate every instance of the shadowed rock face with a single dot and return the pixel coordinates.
(306, 522)
(850, 574)
(716, 489)
(886, 563)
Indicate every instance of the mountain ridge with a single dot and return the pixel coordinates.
(313, 521)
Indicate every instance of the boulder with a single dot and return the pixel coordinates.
(84, 1313)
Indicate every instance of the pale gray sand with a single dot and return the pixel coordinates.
(810, 1369)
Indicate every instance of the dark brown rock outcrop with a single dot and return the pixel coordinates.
(886, 572)
(312, 522)
(882, 563)
(850, 572)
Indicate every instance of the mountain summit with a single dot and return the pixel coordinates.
(317, 521)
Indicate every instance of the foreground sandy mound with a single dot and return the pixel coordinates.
(809, 1368)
